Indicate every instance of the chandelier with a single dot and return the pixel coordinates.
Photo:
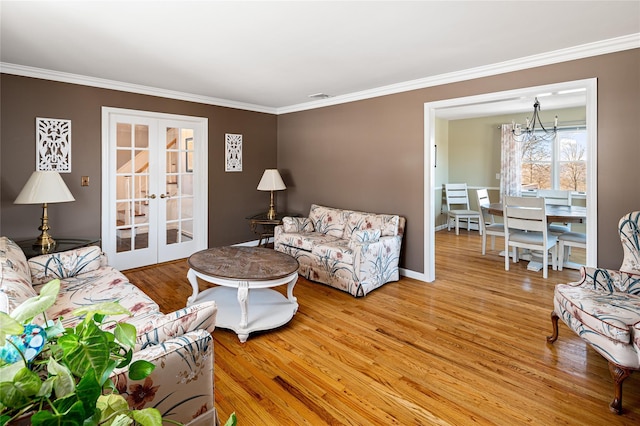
(535, 130)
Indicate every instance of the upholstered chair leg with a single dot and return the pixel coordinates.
(618, 374)
(554, 324)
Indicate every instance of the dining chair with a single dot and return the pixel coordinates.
(566, 240)
(556, 197)
(488, 225)
(457, 199)
(525, 222)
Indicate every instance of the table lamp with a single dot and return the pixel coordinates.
(44, 187)
(271, 181)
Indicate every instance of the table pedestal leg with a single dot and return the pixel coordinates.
(191, 276)
(290, 295)
(243, 296)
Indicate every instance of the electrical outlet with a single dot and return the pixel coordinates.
(498, 176)
(84, 181)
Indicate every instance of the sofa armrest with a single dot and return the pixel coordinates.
(377, 262)
(201, 316)
(181, 385)
(609, 280)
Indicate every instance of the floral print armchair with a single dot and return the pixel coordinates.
(604, 308)
(179, 344)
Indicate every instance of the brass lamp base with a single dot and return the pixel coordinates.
(271, 214)
(45, 242)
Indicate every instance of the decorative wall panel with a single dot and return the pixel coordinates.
(233, 148)
(53, 145)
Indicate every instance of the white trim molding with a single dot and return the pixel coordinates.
(617, 44)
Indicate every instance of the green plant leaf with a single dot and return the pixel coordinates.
(8, 326)
(105, 308)
(125, 334)
(74, 416)
(147, 417)
(90, 350)
(232, 420)
(88, 390)
(120, 420)
(27, 381)
(140, 369)
(109, 405)
(12, 396)
(33, 306)
(9, 371)
(64, 383)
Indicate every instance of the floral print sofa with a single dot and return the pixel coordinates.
(179, 344)
(604, 308)
(353, 251)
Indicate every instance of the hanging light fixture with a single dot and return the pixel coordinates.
(535, 130)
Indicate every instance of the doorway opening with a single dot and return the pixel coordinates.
(507, 102)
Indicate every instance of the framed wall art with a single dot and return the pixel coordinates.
(233, 149)
(53, 145)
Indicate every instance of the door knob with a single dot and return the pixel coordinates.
(152, 196)
(165, 196)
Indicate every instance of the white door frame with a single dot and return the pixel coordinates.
(200, 208)
(430, 113)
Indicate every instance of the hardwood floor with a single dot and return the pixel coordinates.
(468, 348)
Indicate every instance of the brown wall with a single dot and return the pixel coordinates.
(365, 155)
(368, 155)
(232, 196)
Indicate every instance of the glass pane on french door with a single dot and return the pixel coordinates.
(179, 185)
(132, 187)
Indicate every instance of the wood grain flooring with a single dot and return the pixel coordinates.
(466, 349)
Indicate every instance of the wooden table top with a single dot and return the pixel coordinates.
(243, 263)
(561, 214)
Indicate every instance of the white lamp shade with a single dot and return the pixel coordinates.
(44, 187)
(271, 181)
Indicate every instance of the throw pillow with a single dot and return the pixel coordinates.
(297, 224)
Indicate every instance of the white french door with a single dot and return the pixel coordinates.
(154, 193)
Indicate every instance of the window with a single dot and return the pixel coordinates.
(559, 163)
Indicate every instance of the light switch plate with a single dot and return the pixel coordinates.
(84, 181)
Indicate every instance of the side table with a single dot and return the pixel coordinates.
(62, 244)
(263, 226)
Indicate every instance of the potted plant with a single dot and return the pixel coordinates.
(50, 375)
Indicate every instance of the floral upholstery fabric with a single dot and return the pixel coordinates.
(387, 224)
(105, 284)
(66, 264)
(305, 240)
(179, 344)
(15, 278)
(629, 230)
(358, 264)
(297, 224)
(328, 221)
(603, 308)
(182, 383)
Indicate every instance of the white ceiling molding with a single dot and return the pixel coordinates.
(617, 44)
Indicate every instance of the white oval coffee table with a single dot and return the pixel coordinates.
(244, 277)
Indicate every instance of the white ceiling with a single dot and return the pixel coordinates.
(273, 54)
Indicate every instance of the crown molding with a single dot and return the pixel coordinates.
(631, 41)
(64, 77)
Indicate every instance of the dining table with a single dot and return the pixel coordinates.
(555, 214)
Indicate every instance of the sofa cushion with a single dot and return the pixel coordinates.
(105, 284)
(609, 314)
(365, 236)
(358, 221)
(338, 250)
(305, 240)
(327, 220)
(15, 279)
(65, 264)
(297, 224)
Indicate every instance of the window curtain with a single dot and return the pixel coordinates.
(511, 167)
